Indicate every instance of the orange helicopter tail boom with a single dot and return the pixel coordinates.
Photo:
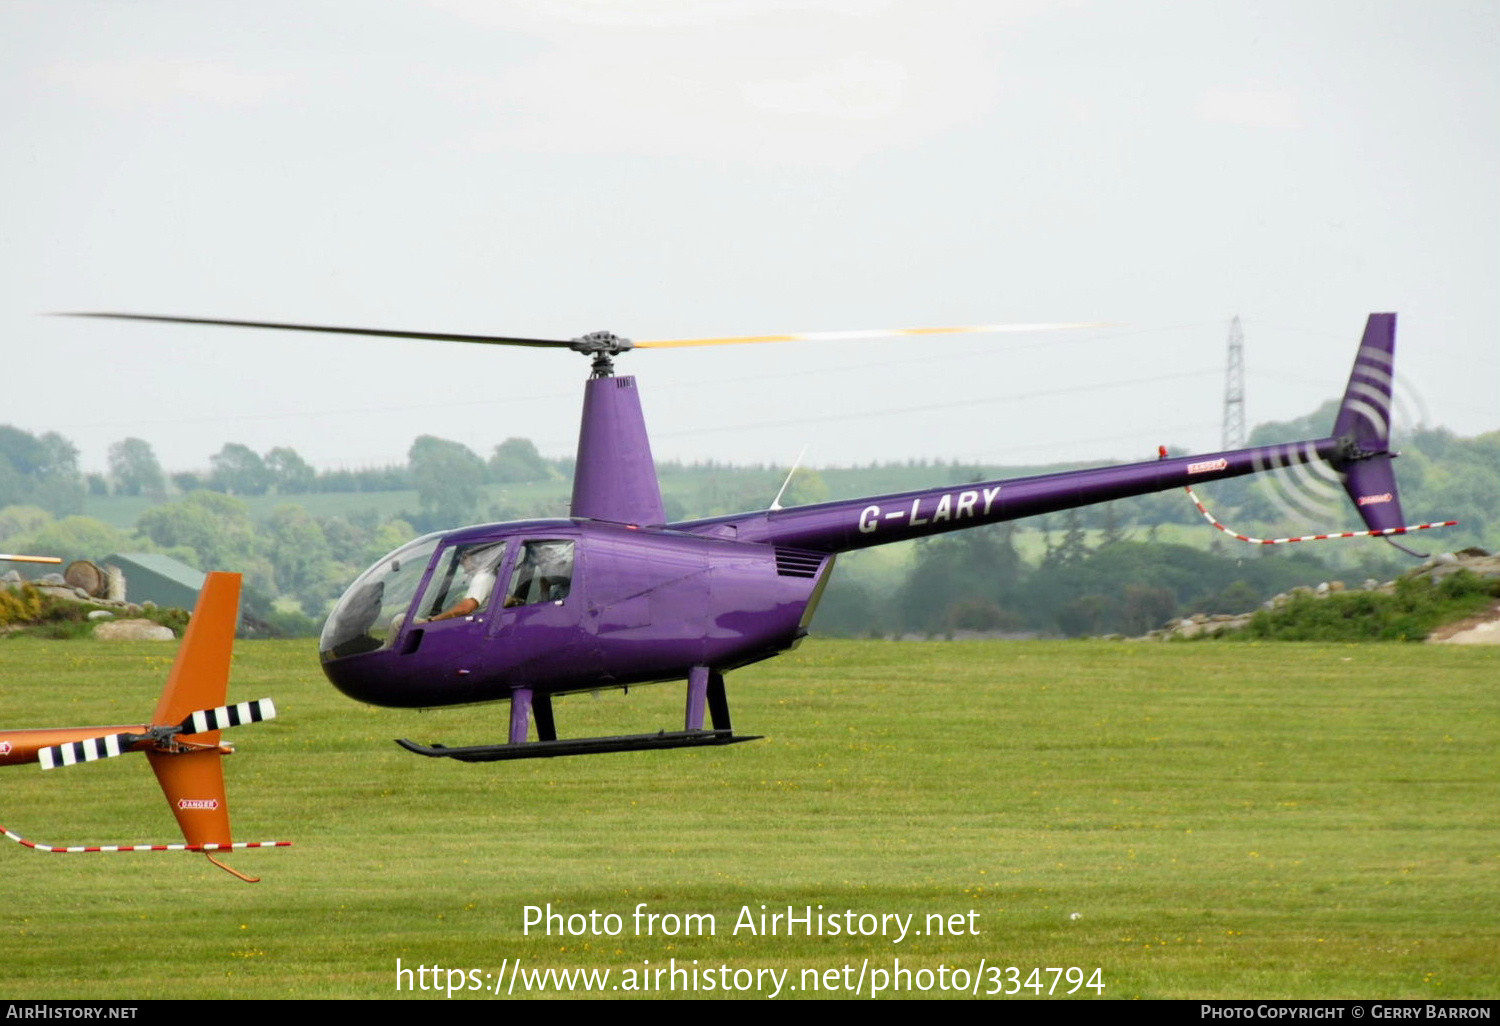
(182, 742)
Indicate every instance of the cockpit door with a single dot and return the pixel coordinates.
(452, 613)
(540, 640)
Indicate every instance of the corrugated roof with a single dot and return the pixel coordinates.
(164, 566)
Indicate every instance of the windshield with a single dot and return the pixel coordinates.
(370, 614)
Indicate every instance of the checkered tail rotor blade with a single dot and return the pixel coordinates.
(204, 720)
(88, 750)
(223, 716)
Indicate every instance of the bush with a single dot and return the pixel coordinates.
(1417, 607)
(19, 605)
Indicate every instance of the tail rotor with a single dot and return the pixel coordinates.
(1357, 456)
(162, 739)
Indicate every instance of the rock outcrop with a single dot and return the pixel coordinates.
(1478, 630)
(133, 630)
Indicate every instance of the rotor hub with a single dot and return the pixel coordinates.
(603, 346)
(596, 342)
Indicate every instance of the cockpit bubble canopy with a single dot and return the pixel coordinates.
(370, 613)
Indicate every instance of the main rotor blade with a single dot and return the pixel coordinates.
(603, 342)
(437, 336)
(842, 336)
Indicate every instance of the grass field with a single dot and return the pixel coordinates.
(1232, 820)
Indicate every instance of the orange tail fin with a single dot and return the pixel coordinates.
(189, 766)
(200, 676)
(194, 781)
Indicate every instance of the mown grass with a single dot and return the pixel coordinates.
(1256, 820)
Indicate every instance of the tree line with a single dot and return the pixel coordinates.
(1101, 569)
(237, 469)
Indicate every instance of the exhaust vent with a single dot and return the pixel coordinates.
(794, 563)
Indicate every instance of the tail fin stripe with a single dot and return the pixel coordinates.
(1379, 375)
(1372, 391)
(1376, 418)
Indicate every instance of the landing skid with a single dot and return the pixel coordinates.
(705, 693)
(581, 745)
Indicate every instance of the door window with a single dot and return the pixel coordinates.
(543, 573)
(463, 582)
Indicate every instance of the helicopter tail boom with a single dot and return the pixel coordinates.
(181, 742)
(877, 520)
(1358, 449)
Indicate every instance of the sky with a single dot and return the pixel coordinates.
(546, 168)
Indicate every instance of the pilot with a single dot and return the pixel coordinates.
(481, 573)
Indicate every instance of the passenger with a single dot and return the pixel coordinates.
(544, 574)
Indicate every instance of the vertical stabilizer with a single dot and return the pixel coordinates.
(194, 785)
(1363, 427)
(615, 477)
(194, 781)
(1371, 484)
(1364, 416)
(200, 676)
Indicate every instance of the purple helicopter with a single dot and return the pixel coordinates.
(614, 596)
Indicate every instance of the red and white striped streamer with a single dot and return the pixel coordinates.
(1311, 537)
(140, 847)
